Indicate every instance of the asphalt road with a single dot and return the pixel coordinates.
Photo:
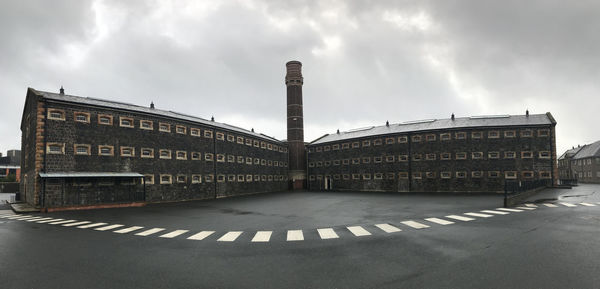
(549, 247)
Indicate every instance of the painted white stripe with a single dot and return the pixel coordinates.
(48, 221)
(109, 227)
(262, 236)
(127, 230)
(509, 210)
(174, 234)
(327, 233)
(149, 232)
(568, 204)
(531, 205)
(30, 219)
(550, 205)
(388, 228)
(495, 212)
(526, 208)
(230, 236)
(415, 225)
(439, 221)
(479, 215)
(19, 217)
(460, 218)
(62, 222)
(201, 236)
(587, 204)
(76, 223)
(40, 219)
(358, 231)
(91, 225)
(295, 235)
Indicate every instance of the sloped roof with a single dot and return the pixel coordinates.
(570, 153)
(143, 109)
(590, 150)
(438, 124)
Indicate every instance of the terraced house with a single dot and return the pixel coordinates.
(582, 163)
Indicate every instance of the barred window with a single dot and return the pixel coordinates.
(390, 176)
(546, 155)
(390, 140)
(256, 143)
(220, 158)
(476, 135)
(509, 133)
(527, 174)
(416, 138)
(366, 160)
(402, 139)
(208, 133)
(543, 132)
(327, 148)
(493, 155)
(366, 143)
(83, 117)
(345, 177)
(105, 119)
(355, 145)
(445, 156)
(127, 152)
(493, 174)
(336, 162)
(180, 129)
(377, 142)
(403, 175)
(510, 155)
(460, 135)
(181, 179)
(526, 133)
(105, 150)
(403, 158)
(196, 179)
(220, 178)
(477, 155)
(146, 124)
(164, 127)
(445, 175)
(82, 149)
(417, 175)
(493, 134)
(346, 161)
(461, 156)
(166, 179)
(430, 137)
(240, 140)
(148, 180)
(510, 175)
(430, 157)
(526, 155)
(377, 159)
(194, 131)
(345, 145)
(476, 174)
(231, 178)
(378, 176)
(249, 143)
(445, 136)
(417, 157)
(389, 159)
(230, 138)
(356, 161)
(209, 178)
(430, 175)
(196, 156)
(181, 155)
(461, 175)
(220, 136)
(208, 157)
(335, 147)
(56, 114)
(546, 174)
(356, 176)
(125, 121)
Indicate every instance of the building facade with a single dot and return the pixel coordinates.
(566, 174)
(471, 154)
(584, 164)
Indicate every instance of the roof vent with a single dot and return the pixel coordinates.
(252, 129)
(152, 104)
(452, 117)
(387, 123)
(212, 118)
(62, 90)
(338, 131)
(527, 113)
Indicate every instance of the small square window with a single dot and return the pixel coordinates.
(196, 156)
(105, 119)
(509, 133)
(82, 149)
(208, 157)
(194, 131)
(240, 140)
(196, 179)
(476, 135)
(270, 147)
(105, 150)
(403, 158)
(181, 179)
(164, 154)
(166, 179)
(336, 162)
(356, 161)
(416, 138)
(256, 143)
(240, 178)
(377, 159)
(125, 121)
(257, 161)
(510, 155)
(209, 178)
(460, 135)
(248, 142)
(220, 136)
(430, 137)
(526, 155)
(248, 160)
(220, 158)
(147, 153)
(445, 156)
(390, 159)
(546, 155)
(248, 178)
(181, 155)
(127, 152)
(263, 145)
(327, 163)
(82, 117)
(208, 134)
(461, 156)
(164, 127)
(493, 134)
(493, 155)
(146, 124)
(56, 114)
(445, 136)
(180, 129)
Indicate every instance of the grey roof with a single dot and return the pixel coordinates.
(143, 109)
(437, 124)
(91, 175)
(591, 150)
(570, 153)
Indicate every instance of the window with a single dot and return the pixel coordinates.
(460, 135)
(208, 157)
(526, 155)
(335, 177)
(417, 157)
(220, 136)
(248, 160)
(461, 156)
(366, 176)
(476, 174)
(248, 142)
(166, 179)
(355, 145)
(403, 175)
(82, 149)
(493, 134)
(403, 158)
(127, 152)
(543, 132)
(510, 155)
(416, 138)
(356, 176)
(196, 156)
(220, 158)
(345, 177)
(209, 178)
(319, 164)
(196, 179)
(417, 176)
(366, 160)
(230, 138)
(445, 175)
(430, 175)
(146, 124)
(220, 178)
(390, 140)
(510, 175)
(256, 143)
(208, 134)
(56, 114)
(389, 159)
(164, 127)
(430, 157)
(240, 178)
(461, 174)
(81, 117)
(366, 143)
(164, 154)
(312, 177)
(356, 161)
(476, 135)
(148, 180)
(430, 137)
(256, 161)
(445, 156)
(248, 178)
(526, 133)
(147, 153)
(180, 129)
(240, 140)
(105, 119)
(544, 155)
(231, 178)
(194, 131)
(270, 147)
(181, 179)
(257, 178)
(493, 155)
(445, 136)
(336, 162)
(527, 174)
(263, 145)
(181, 155)
(377, 159)
(105, 150)
(263, 178)
(477, 155)
(327, 148)
(346, 162)
(327, 163)
(319, 177)
(125, 121)
(311, 164)
(377, 142)
(509, 133)
(493, 174)
(345, 145)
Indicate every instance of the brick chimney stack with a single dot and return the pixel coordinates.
(295, 125)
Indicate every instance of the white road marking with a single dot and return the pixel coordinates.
(18, 217)
(30, 219)
(76, 223)
(109, 227)
(495, 212)
(39, 219)
(526, 208)
(262, 236)
(91, 225)
(48, 221)
(509, 210)
(587, 204)
(174, 234)
(327, 233)
(531, 205)
(358, 231)
(568, 204)
(62, 222)
(127, 230)
(230, 236)
(478, 215)
(388, 228)
(201, 236)
(415, 225)
(460, 218)
(439, 221)
(550, 205)
(149, 232)
(295, 235)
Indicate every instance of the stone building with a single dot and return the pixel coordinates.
(585, 164)
(444, 155)
(565, 170)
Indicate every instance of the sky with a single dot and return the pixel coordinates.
(364, 62)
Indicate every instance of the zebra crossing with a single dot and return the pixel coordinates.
(294, 235)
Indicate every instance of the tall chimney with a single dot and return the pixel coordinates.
(295, 125)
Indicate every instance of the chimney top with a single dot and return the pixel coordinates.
(527, 113)
(62, 90)
(387, 123)
(252, 129)
(452, 117)
(212, 118)
(152, 104)
(294, 73)
(338, 131)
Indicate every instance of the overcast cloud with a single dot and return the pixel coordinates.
(364, 62)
